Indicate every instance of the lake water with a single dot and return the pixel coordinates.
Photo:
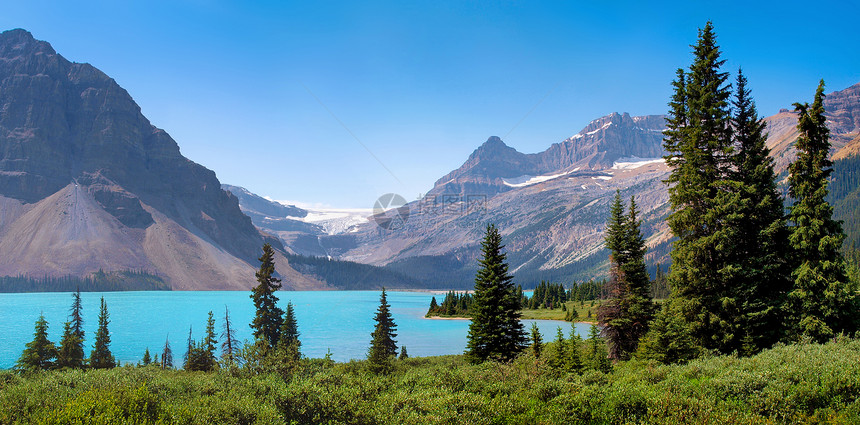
(340, 321)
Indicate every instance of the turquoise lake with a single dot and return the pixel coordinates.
(339, 321)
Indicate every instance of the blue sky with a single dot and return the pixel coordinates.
(273, 95)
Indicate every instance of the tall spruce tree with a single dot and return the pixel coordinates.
(628, 309)
(383, 347)
(821, 301)
(101, 356)
(71, 351)
(761, 237)
(39, 354)
(495, 331)
(537, 341)
(209, 343)
(267, 321)
(699, 146)
(289, 340)
(147, 358)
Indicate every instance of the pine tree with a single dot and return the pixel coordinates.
(188, 360)
(669, 339)
(209, 343)
(761, 238)
(537, 343)
(267, 321)
(821, 302)
(495, 331)
(289, 341)
(573, 362)
(598, 358)
(383, 347)
(628, 309)
(39, 354)
(100, 356)
(403, 354)
(147, 359)
(559, 357)
(699, 145)
(167, 355)
(231, 343)
(71, 351)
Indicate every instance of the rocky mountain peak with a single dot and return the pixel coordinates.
(19, 42)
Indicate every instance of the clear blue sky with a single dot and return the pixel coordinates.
(420, 84)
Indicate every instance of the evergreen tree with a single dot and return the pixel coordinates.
(537, 343)
(383, 347)
(628, 309)
(39, 354)
(71, 351)
(147, 359)
(495, 331)
(209, 343)
(699, 144)
(598, 358)
(231, 343)
(761, 238)
(167, 355)
(289, 341)
(574, 363)
(821, 302)
(403, 354)
(101, 356)
(669, 339)
(559, 357)
(267, 321)
(189, 358)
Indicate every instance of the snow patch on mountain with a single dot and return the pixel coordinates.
(527, 180)
(634, 162)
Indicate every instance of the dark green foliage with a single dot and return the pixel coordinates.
(454, 304)
(129, 280)
(289, 342)
(230, 345)
(209, 343)
(403, 354)
(40, 353)
(537, 342)
(71, 350)
(558, 359)
(100, 356)
(147, 358)
(844, 195)
(598, 356)
(348, 275)
(628, 309)
(548, 295)
(495, 332)
(805, 383)
(669, 340)
(167, 355)
(822, 301)
(383, 346)
(267, 321)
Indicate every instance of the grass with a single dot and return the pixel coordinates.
(804, 383)
(585, 312)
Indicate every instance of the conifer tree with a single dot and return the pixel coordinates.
(403, 354)
(761, 238)
(628, 309)
(383, 347)
(101, 356)
(559, 354)
(703, 198)
(209, 343)
(267, 321)
(71, 351)
(289, 340)
(39, 354)
(574, 363)
(598, 357)
(537, 343)
(669, 339)
(821, 302)
(167, 355)
(189, 357)
(495, 331)
(147, 358)
(231, 343)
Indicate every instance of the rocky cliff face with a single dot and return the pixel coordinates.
(495, 167)
(68, 129)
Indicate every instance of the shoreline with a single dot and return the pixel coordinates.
(469, 318)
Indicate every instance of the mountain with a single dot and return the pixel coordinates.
(551, 206)
(87, 183)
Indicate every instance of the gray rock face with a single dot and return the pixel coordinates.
(65, 124)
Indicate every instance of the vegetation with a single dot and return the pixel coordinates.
(628, 309)
(383, 347)
(267, 321)
(348, 275)
(495, 331)
(71, 351)
(129, 280)
(822, 302)
(101, 356)
(39, 353)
